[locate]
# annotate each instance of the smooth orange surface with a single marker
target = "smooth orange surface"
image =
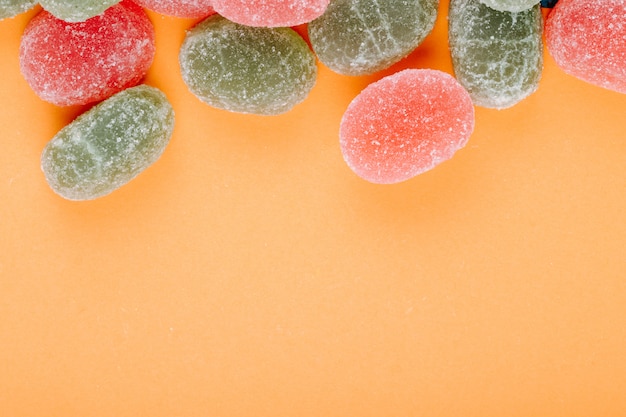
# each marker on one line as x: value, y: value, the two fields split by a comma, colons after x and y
x: 250, y: 273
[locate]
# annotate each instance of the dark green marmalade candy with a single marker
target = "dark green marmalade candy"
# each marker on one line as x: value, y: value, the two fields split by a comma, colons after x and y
x: 10, y: 8
x: 109, y: 145
x: 358, y: 37
x: 76, y: 10
x: 510, y: 5
x: 247, y: 69
x: 497, y: 56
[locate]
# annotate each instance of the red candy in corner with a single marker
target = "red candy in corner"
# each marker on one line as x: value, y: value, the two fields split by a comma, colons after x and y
x: 79, y: 63
x: 405, y: 124
x: 587, y: 39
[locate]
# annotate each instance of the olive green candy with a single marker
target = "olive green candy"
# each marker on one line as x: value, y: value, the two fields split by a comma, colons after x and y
x: 247, y: 69
x: 510, y: 5
x: 359, y: 37
x: 497, y: 56
x: 76, y: 10
x: 109, y: 145
x: 10, y: 8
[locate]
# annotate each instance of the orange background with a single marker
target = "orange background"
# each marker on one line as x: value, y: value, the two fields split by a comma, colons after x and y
x: 250, y: 273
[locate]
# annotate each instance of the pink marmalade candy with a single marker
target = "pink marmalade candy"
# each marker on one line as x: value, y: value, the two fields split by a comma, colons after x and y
x: 190, y: 9
x: 587, y: 39
x: 270, y: 13
x: 78, y: 63
x: 405, y: 124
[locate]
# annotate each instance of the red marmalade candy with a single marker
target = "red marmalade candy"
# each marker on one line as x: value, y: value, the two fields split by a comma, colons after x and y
x: 270, y: 13
x: 189, y: 9
x: 78, y: 63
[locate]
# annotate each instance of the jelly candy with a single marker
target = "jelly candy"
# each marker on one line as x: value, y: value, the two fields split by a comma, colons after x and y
x: 78, y: 63
x: 76, y: 10
x: 109, y: 145
x: 10, y: 8
x: 588, y: 40
x: 270, y: 13
x: 405, y: 124
x: 510, y: 5
x: 357, y: 37
x: 497, y: 56
x: 190, y: 9
x: 247, y: 69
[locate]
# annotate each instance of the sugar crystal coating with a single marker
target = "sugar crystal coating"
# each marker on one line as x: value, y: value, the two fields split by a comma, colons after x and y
x: 76, y: 10
x: 247, y: 69
x: 270, y: 13
x: 497, y: 56
x: 10, y: 8
x: 405, y: 124
x: 357, y: 37
x: 510, y: 5
x: 190, y: 9
x: 109, y: 145
x: 78, y: 63
x: 588, y: 40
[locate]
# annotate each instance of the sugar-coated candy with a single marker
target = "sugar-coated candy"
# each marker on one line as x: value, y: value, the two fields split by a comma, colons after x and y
x: 190, y: 9
x: 247, y: 69
x: 497, y: 56
x: 76, y: 10
x: 357, y: 37
x: 78, y: 63
x: 109, y: 145
x: 510, y: 5
x: 270, y: 13
x: 405, y: 124
x: 10, y: 8
x: 588, y: 40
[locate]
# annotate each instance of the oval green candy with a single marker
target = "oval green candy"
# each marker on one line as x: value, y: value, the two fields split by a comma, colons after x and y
x: 510, y: 5
x: 109, y: 145
x: 10, y: 8
x: 76, y: 10
x: 497, y: 56
x: 247, y: 69
x: 359, y: 37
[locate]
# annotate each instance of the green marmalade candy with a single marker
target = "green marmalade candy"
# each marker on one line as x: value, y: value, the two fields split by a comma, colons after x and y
x: 510, y: 5
x: 76, y: 10
x: 359, y: 37
x: 109, y: 145
x: 247, y: 69
x: 10, y: 8
x: 497, y: 56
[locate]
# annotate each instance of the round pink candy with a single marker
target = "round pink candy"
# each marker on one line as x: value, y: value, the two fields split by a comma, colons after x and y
x: 405, y: 124
x: 190, y: 9
x: 270, y: 13
x: 587, y: 39
x: 79, y: 63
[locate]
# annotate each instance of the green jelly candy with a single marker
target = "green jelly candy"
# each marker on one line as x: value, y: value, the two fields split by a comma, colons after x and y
x: 10, y: 8
x: 510, y: 5
x: 109, y: 145
x: 359, y: 37
x: 247, y: 69
x: 76, y: 10
x: 497, y: 56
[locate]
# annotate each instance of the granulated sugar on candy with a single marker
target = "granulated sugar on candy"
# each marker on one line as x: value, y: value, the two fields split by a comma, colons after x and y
x: 190, y: 9
x: 405, y: 124
x: 588, y: 40
x: 78, y: 63
x: 76, y: 10
x: 109, y: 145
x: 357, y: 37
x: 247, y: 69
x: 497, y: 56
x: 510, y: 5
x: 10, y: 8
x: 270, y: 13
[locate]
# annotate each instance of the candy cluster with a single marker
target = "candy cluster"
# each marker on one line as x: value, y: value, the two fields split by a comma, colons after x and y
x: 244, y: 57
